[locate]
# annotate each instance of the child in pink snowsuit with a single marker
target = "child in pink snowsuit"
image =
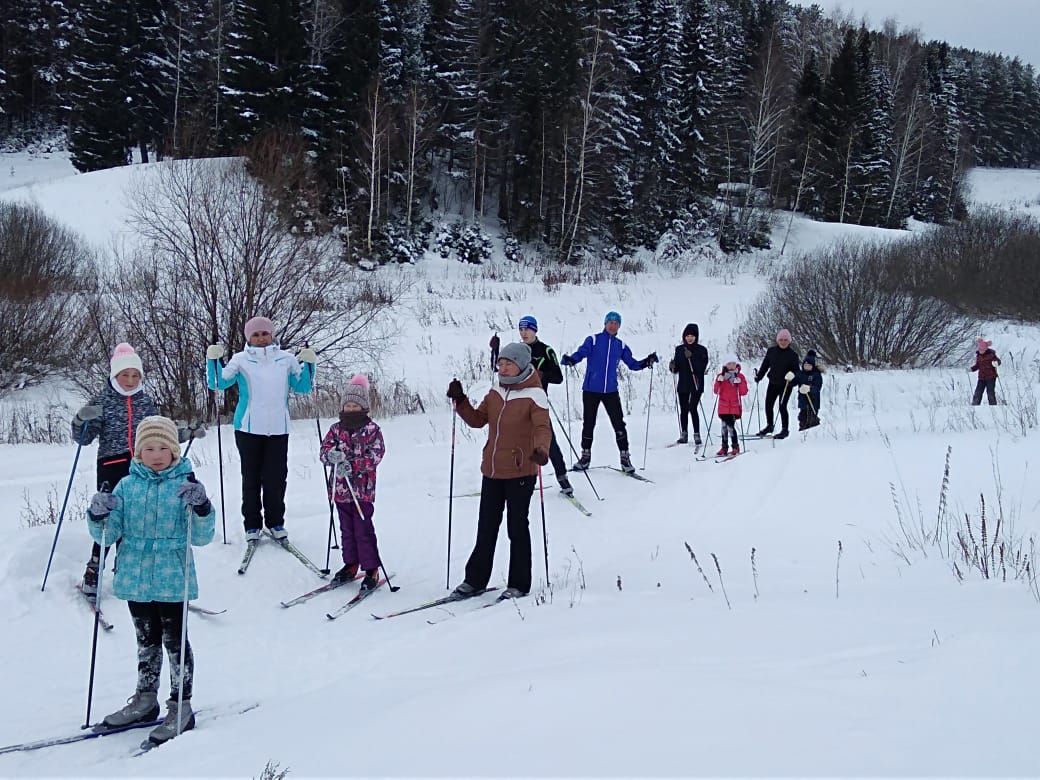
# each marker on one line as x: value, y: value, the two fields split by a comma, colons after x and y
x: 354, y: 447
x: 730, y: 386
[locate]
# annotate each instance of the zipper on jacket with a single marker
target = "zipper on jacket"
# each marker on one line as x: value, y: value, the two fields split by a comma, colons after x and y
x: 498, y: 431
x: 130, y: 425
x: 606, y: 364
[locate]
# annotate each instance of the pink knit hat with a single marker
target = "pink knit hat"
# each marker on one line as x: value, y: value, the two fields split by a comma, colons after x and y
x: 124, y: 357
x: 982, y: 345
x: 357, y: 391
x: 783, y: 333
x: 257, y: 325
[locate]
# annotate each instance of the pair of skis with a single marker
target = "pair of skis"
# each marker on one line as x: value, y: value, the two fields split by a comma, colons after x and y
x: 286, y: 545
x: 632, y: 474
x: 108, y: 626
x: 357, y: 599
x: 451, y: 598
x: 100, y: 730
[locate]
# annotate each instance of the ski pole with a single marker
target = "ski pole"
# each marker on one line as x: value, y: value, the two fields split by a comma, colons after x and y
x: 574, y: 451
x: 758, y: 409
x: 649, y: 401
x: 97, y: 611
x: 64, y: 503
x: 451, y: 490
x: 567, y: 391
x: 220, y: 464
x: 711, y: 420
x: 330, y: 543
x: 189, y: 511
x: 678, y: 414
x: 545, y: 533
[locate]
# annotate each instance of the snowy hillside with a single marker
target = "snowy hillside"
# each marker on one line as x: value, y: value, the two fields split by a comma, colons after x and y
x: 826, y: 636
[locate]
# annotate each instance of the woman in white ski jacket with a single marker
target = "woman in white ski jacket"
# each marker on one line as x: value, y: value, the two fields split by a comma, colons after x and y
x: 264, y: 374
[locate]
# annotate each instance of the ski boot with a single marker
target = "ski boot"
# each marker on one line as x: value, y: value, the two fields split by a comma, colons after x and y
x: 142, y: 706
x: 782, y: 435
x: 565, y: 485
x: 697, y: 440
x: 90, y: 577
x: 371, y: 580
x: 626, y: 462
x: 723, y: 450
x: 584, y: 461
x: 765, y: 431
x: 683, y: 439
x: 346, y: 574
x: 279, y: 532
x: 167, y: 730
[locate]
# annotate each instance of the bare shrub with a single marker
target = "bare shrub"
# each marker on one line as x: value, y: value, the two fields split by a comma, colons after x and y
x: 216, y: 249
x: 985, y: 265
x: 40, y: 266
x: 37, y: 423
x: 47, y: 511
x: 849, y: 306
x: 273, y: 771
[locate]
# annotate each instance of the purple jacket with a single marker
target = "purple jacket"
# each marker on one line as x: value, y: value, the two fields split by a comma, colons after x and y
x: 364, y: 449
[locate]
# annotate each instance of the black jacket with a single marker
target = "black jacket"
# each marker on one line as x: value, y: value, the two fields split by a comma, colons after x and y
x: 543, y: 357
x: 777, y: 363
x: 815, y: 381
x: 690, y: 369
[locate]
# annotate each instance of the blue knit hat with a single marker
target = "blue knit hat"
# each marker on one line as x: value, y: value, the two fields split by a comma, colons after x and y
x: 528, y: 322
x: 612, y: 316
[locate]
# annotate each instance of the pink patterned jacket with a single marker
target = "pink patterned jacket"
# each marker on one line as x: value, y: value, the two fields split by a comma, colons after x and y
x: 364, y: 450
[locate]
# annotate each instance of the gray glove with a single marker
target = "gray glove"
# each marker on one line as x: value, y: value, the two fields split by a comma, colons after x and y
x: 102, y: 504
x: 89, y: 412
x: 335, y: 457
x: 789, y: 376
x: 199, y: 431
x: 804, y: 389
x: 193, y: 494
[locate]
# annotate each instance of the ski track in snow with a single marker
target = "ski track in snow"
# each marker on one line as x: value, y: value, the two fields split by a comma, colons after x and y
x: 895, y: 675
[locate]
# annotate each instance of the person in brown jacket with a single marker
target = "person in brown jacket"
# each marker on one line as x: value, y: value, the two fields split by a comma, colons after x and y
x: 516, y: 411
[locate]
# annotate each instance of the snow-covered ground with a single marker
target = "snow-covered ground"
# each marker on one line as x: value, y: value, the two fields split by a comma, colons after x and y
x: 1019, y: 189
x: 800, y: 660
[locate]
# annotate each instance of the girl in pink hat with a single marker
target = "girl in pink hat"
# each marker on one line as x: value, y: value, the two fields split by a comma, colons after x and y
x: 354, y: 448
x: 986, y: 362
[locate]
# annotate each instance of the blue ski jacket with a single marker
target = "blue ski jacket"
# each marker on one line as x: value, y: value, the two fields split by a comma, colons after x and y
x: 604, y: 352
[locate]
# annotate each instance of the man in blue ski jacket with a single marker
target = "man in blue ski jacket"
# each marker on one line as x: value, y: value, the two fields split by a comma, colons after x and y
x: 604, y: 351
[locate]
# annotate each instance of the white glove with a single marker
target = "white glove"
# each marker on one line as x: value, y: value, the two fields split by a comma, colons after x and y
x: 215, y: 352
x: 789, y: 376
x: 996, y: 362
x: 804, y: 389
x: 307, y: 355
x: 735, y: 380
x: 335, y: 457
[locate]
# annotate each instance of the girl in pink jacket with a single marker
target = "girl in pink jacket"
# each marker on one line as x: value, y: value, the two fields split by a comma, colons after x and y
x: 730, y: 385
x: 354, y: 447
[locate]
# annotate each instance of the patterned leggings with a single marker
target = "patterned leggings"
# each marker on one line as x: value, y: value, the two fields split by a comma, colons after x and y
x: 158, y: 625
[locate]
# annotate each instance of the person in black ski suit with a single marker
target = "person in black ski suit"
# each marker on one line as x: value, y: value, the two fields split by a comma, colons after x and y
x: 810, y: 381
x: 544, y: 359
x: 780, y: 364
x: 690, y: 364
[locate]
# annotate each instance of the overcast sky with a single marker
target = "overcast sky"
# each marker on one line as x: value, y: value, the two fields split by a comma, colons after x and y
x: 1010, y: 27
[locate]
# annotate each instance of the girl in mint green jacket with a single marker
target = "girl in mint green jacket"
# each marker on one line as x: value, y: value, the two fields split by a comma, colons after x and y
x: 148, y: 513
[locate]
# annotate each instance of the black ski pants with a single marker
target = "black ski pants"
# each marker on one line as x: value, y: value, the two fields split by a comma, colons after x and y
x: 110, y: 471
x: 513, y: 496
x: 729, y: 429
x: 688, y: 403
x: 265, y: 468
x: 989, y: 386
x: 590, y: 406
x: 158, y: 625
x: 556, y: 457
x: 782, y: 392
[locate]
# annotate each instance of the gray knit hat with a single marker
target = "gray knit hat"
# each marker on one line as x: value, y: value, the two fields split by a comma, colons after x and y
x: 518, y: 353
x: 357, y: 391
